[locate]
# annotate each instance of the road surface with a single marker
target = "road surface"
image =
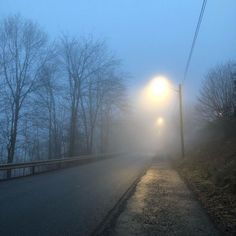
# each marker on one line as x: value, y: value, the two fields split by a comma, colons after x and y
x: 71, y: 201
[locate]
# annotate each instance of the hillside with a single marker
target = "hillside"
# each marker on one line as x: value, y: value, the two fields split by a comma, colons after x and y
x: 210, y: 170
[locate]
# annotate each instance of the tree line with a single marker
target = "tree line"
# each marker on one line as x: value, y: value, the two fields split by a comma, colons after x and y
x: 56, y: 98
x: 217, y: 96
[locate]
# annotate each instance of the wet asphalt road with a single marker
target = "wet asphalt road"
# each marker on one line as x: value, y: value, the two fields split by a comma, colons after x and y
x: 71, y: 201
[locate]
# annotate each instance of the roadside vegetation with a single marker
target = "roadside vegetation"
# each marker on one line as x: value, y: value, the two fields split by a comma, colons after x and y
x: 58, y: 98
x: 209, y: 166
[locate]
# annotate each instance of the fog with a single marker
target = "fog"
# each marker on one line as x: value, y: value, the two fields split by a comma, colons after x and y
x: 152, y: 124
x: 97, y: 83
x: 132, y: 102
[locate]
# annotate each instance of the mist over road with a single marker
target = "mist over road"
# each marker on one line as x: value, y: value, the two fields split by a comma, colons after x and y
x: 71, y: 201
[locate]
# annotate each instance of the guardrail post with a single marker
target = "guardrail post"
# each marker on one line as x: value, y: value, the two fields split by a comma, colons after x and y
x: 33, y: 170
x: 9, y: 174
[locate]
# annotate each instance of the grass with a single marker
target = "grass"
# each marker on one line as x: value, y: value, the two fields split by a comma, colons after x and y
x: 210, y: 170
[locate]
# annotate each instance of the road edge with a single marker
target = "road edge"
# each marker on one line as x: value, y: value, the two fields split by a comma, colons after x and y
x: 106, y: 226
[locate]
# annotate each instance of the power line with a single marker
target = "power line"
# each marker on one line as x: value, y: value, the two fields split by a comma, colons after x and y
x: 194, y: 39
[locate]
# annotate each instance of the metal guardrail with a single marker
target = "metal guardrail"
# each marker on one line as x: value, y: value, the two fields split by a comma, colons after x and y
x: 58, y: 163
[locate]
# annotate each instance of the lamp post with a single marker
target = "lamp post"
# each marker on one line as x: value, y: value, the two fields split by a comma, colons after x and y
x: 157, y: 89
x: 181, y: 121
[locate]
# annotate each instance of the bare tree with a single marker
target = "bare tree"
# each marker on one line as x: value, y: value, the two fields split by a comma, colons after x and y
x: 217, y: 95
x: 115, y: 103
x: 84, y: 61
x: 22, y: 45
x: 54, y: 104
x: 100, y: 86
x: 46, y: 103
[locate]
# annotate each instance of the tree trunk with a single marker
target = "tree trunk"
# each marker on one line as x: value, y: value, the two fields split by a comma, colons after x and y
x: 73, y: 131
x: 12, y: 142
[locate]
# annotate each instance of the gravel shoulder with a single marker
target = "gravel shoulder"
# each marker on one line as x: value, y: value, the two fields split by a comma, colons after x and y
x: 163, y: 205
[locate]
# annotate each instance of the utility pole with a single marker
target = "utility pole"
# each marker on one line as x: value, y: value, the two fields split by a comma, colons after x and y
x: 234, y: 84
x: 181, y: 121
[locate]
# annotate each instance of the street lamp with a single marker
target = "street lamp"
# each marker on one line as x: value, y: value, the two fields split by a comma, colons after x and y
x: 158, y: 90
x: 159, y: 122
x: 181, y: 121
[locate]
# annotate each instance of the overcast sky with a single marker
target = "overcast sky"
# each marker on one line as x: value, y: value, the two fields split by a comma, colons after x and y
x: 151, y: 36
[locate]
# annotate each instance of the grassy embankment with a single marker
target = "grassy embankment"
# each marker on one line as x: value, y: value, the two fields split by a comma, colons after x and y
x: 210, y: 170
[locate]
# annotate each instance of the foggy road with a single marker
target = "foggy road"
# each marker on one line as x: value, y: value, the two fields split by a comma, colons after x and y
x: 71, y: 201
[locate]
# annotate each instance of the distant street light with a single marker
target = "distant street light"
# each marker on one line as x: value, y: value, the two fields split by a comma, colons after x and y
x: 159, y: 122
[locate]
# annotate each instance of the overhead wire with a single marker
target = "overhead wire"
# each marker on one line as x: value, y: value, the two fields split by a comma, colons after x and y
x: 194, y: 39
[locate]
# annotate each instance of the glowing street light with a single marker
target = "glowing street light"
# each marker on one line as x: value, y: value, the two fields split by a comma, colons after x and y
x: 158, y: 87
x: 156, y: 94
x: 158, y: 90
x: 159, y: 122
